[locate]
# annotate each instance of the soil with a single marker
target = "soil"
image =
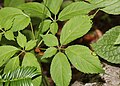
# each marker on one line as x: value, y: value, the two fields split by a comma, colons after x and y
x: 110, y: 78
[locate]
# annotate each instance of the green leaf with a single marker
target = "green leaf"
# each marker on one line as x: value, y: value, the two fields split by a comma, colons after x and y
x: 30, y: 44
x: 20, y: 77
x: 117, y: 42
x: 49, y: 52
x: 54, y: 28
x: 81, y: 57
x: 60, y: 70
x: 9, y: 35
x: 13, y: 3
x: 7, y: 15
x: 105, y: 47
x: 35, y: 9
x: 108, y: 6
x: 37, y: 80
x: 75, y: 9
x: 31, y: 60
x: 53, y: 5
x: 50, y: 40
x: 20, y: 22
x: 12, y: 64
x: 113, y: 8
x: 21, y: 40
x: 75, y: 28
x: 45, y: 25
x: 6, y: 52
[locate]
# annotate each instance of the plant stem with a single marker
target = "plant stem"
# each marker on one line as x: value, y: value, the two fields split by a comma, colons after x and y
x: 32, y: 30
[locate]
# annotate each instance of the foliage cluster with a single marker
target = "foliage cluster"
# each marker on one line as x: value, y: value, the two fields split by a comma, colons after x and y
x: 27, y: 28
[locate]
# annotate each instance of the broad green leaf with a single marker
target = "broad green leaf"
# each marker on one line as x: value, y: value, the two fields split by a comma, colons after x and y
x: 53, y: 5
x: 21, y: 40
x: 13, y: 3
x: 9, y: 35
x: 76, y: 27
x: 30, y: 45
x: 35, y: 9
x: 20, y: 22
x: 117, y: 42
x: 49, y: 52
x: 108, y: 6
x: 45, y: 25
x: 75, y: 9
x: 30, y: 60
x: 113, y: 8
x: 60, y: 70
x: 12, y: 64
x: 7, y: 15
x: 50, y: 40
x: 37, y: 81
x: 6, y: 52
x: 82, y: 59
x: 105, y: 47
x: 54, y: 28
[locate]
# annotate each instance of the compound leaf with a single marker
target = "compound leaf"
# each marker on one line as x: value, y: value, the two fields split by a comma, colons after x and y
x: 53, y: 5
x: 105, y: 47
x: 75, y: 9
x: 50, y: 40
x: 82, y: 59
x: 60, y: 70
x: 6, y: 52
x: 76, y: 27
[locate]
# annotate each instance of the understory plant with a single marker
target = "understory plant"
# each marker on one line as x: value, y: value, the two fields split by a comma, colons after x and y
x: 30, y: 35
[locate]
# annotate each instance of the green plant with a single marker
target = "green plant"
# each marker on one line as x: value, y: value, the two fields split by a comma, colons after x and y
x: 26, y: 27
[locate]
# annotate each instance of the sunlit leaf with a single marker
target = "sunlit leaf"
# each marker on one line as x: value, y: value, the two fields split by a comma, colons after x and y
x: 75, y: 9
x: 53, y: 5
x: 35, y: 9
x: 12, y: 64
x: 21, y: 40
x: 30, y: 45
x: 9, y: 35
x: 76, y: 27
x: 54, y: 28
x: 50, y: 40
x: 81, y: 57
x: 6, y: 52
x: 60, y: 70
x: 49, y: 52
